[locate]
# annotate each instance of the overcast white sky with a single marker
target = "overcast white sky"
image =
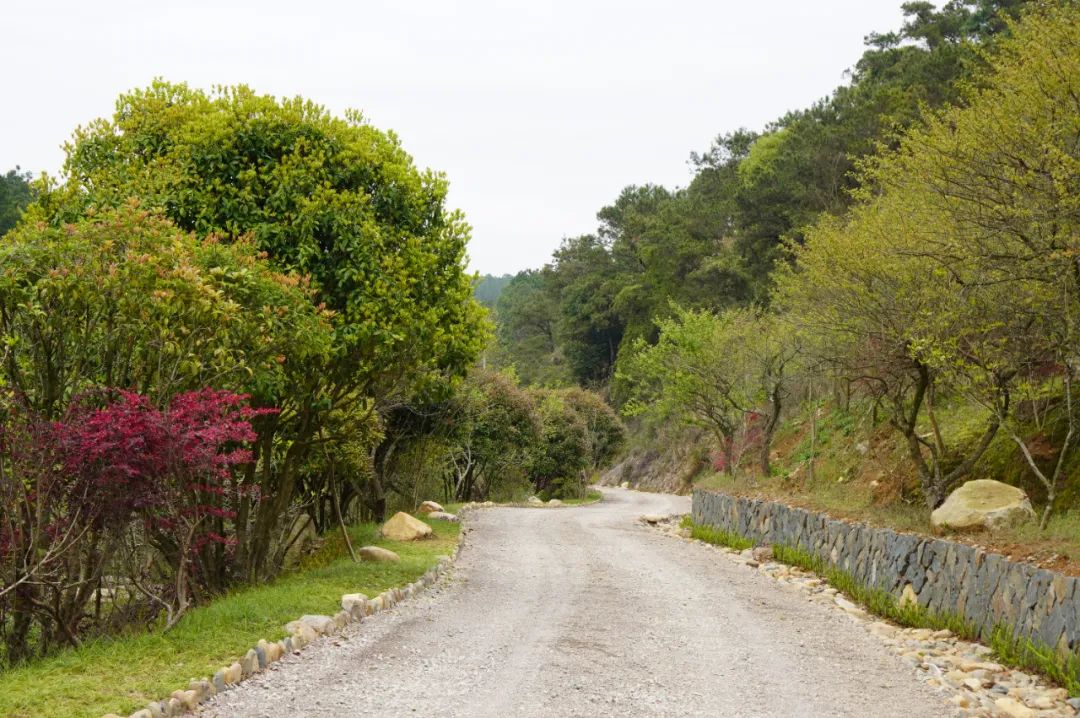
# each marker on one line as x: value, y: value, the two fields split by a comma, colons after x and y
x: 538, y: 112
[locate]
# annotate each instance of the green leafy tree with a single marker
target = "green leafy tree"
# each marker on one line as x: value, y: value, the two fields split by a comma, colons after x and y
x: 579, y: 433
x: 604, y: 431
x: 15, y: 195
x: 726, y: 372
x: 124, y: 299
x: 589, y: 328
x: 861, y: 294
x: 561, y: 456
x: 686, y: 375
x: 333, y: 199
x: 527, y: 318
x: 986, y: 197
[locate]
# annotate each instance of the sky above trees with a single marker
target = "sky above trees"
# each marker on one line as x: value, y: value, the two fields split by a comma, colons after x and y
x: 537, y: 112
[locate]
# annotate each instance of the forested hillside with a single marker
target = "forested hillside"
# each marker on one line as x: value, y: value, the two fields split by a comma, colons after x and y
x: 15, y: 195
x: 713, y: 244
x: 878, y: 291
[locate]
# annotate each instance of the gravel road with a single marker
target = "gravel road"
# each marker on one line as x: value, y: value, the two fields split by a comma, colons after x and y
x: 585, y: 612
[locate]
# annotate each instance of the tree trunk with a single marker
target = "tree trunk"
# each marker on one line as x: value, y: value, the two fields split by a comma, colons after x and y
x: 729, y: 457
x: 768, y: 431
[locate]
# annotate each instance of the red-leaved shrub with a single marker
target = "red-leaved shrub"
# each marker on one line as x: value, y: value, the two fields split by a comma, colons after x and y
x: 116, y: 479
x: 169, y: 466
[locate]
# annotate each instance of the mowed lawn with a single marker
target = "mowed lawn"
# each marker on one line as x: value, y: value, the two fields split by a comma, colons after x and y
x: 121, y: 675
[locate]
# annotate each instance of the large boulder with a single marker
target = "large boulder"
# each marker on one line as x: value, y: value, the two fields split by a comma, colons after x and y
x: 431, y: 507
x: 980, y: 504
x: 403, y: 527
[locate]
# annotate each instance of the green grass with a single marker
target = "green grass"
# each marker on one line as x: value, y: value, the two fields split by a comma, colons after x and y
x: 1022, y: 653
x: 876, y: 600
x: 590, y: 498
x: 720, y: 537
x: 123, y: 674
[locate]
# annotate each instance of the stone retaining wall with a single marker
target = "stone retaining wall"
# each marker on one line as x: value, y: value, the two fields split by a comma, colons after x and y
x: 986, y: 589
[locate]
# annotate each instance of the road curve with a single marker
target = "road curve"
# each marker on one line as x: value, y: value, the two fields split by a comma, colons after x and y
x: 585, y: 612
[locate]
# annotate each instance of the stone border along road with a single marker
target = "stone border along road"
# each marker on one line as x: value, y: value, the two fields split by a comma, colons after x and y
x: 584, y: 611
x: 962, y: 670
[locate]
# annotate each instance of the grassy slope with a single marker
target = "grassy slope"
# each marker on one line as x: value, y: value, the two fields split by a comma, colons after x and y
x: 123, y: 674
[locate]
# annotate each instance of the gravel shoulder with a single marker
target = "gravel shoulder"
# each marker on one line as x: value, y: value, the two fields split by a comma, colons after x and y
x: 586, y: 612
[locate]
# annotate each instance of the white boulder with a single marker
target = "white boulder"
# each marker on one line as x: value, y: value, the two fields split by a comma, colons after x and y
x: 403, y: 527
x: 982, y: 503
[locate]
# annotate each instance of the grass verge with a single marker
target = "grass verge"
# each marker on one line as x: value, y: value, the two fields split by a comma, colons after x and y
x: 1022, y: 653
x: 590, y: 498
x: 720, y: 537
x: 877, y: 601
x: 124, y: 673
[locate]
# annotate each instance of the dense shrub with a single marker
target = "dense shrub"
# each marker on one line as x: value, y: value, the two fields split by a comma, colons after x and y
x: 579, y: 433
x: 117, y: 496
x: 494, y: 423
x: 124, y: 299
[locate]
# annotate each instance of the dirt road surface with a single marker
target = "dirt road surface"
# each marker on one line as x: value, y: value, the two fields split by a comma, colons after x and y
x: 584, y: 611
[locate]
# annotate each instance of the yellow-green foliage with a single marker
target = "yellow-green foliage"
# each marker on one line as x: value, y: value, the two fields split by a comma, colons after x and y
x: 954, y: 273
x: 125, y: 299
x: 332, y: 198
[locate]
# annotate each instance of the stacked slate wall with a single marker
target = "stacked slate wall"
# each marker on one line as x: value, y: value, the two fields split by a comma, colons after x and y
x: 986, y: 589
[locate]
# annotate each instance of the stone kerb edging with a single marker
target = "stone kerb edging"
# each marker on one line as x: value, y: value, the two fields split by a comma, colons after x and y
x: 985, y: 589
x: 355, y: 607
